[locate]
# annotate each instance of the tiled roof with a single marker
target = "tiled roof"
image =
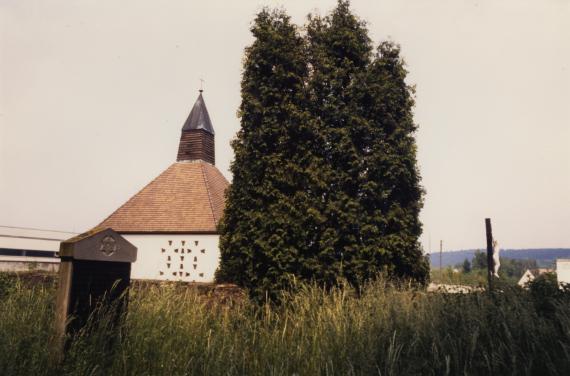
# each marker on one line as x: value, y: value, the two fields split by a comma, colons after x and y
x: 187, y: 197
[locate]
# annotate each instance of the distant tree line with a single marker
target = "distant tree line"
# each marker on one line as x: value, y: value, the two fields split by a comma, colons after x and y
x: 510, y: 268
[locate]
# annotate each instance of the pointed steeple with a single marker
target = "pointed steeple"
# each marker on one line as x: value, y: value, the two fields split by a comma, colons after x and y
x: 197, y: 139
x: 199, y: 117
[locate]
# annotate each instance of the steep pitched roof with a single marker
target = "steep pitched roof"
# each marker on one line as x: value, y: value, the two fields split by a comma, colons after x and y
x: 188, y: 197
x: 199, y: 117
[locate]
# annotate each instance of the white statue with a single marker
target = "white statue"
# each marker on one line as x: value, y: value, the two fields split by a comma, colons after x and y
x: 496, y: 260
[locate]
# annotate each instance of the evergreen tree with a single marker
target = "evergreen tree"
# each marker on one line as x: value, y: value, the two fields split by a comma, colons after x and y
x: 390, y: 194
x: 364, y: 113
x: 325, y: 184
x: 479, y: 260
x: 339, y: 51
x: 268, y: 222
x: 466, y: 266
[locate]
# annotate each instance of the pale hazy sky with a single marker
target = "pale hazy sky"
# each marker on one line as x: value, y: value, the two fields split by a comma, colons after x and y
x: 93, y: 95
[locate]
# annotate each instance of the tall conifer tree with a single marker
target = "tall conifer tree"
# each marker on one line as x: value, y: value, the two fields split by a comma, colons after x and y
x: 325, y: 183
x: 339, y: 52
x: 268, y: 222
x: 391, y: 195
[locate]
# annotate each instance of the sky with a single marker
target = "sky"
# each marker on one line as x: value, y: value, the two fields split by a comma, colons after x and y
x: 93, y: 95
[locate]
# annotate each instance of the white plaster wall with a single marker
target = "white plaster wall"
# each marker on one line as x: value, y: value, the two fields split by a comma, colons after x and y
x: 177, y: 257
x: 563, y: 270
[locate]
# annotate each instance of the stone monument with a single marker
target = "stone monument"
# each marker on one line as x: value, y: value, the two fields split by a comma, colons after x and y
x: 95, y: 271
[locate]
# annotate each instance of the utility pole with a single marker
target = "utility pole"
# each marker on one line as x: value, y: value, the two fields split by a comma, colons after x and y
x: 441, y: 256
x: 490, y: 261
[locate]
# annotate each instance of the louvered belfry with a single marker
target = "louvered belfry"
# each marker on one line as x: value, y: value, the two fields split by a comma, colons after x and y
x: 197, y: 139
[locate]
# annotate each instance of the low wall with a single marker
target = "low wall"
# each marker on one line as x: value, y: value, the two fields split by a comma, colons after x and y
x: 25, y: 264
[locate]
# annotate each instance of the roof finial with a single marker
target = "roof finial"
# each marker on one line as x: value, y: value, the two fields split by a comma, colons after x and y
x: 201, y: 85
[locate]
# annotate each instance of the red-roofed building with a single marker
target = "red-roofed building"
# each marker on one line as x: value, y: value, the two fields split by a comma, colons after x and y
x: 173, y: 220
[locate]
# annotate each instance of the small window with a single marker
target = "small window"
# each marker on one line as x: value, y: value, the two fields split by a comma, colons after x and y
x: 183, y: 242
x: 196, y: 242
x: 203, y: 250
x: 170, y: 242
x: 182, y: 251
x: 176, y: 250
x: 201, y: 274
x: 161, y: 273
x: 195, y: 265
x: 168, y: 258
x: 181, y: 258
x: 187, y: 274
x: 174, y: 274
x: 181, y: 266
x: 163, y: 250
x: 195, y: 259
x: 168, y: 265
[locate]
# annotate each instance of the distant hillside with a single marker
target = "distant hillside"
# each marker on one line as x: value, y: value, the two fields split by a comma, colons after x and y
x: 545, y: 257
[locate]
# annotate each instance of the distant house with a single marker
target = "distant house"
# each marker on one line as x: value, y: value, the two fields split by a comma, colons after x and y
x: 563, y: 270
x: 526, y: 278
x: 529, y: 276
x: 24, y: 249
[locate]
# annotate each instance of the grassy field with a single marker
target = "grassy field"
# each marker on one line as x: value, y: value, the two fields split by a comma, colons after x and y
x: 177, y: 330
x: 477, y: 278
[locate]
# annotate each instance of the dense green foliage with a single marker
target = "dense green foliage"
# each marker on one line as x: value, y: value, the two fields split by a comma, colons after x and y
x: 479, y: 260
x: 388, y: 330
x: 392, y: 196
x: 268, y: 220
x: 325, y: 184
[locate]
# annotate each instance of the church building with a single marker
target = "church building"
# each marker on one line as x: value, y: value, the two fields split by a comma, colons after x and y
x: 173, y: 220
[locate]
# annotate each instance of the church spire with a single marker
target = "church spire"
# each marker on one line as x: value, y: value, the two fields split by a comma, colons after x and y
x: 197, y: 139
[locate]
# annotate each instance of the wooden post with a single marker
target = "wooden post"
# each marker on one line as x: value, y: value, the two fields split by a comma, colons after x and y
x: 441, y: 257
x: 490, y: 262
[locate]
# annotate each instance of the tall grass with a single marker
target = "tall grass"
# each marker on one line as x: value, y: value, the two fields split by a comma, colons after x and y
x: 386, y: 330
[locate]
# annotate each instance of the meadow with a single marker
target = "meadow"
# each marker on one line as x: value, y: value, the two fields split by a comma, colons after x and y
x: 385, y: 329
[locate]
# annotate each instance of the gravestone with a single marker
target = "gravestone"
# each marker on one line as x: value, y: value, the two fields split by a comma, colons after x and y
x: 95, y: 271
